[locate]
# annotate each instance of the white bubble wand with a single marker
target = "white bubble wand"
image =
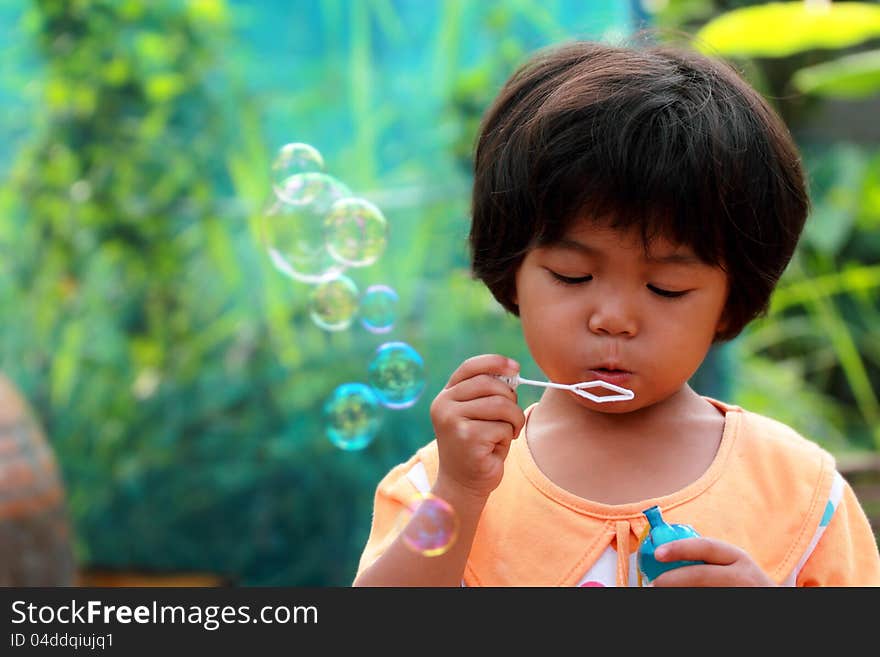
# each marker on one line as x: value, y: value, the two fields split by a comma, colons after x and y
x: 578, y: 388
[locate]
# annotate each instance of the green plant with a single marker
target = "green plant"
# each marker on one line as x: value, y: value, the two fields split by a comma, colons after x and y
x: 812, y: 361
x: 132, y: 320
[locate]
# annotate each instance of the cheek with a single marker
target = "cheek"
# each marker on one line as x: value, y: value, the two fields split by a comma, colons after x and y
x: 538, y: 319
x: 548, y: 308
x: 687, y: 333
x: 534, y: 323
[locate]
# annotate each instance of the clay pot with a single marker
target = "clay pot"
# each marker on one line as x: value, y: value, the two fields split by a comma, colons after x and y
x: 35, y: 542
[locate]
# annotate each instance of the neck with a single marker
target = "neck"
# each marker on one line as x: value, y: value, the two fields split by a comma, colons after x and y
x: 617, y: 458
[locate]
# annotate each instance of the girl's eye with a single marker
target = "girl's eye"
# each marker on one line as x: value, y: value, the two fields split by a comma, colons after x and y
x: 670, y: 294
x: 569, y: 280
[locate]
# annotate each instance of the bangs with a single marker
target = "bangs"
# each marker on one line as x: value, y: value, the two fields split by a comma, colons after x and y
x: 654, y: 167
x: 657, y: 142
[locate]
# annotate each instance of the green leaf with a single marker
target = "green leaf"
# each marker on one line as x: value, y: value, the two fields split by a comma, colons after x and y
x: 65, y: 362
x: 780, y: 29
x: 835, y: 183
x: 869, y: 212
x: 853, y: 76
x: 164, y: 87
x: 212, y: 12
x: 778, y: 389
x: 863, y: 278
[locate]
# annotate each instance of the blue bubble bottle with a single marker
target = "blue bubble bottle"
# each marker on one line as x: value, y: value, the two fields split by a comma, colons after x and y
x: 661, y: 532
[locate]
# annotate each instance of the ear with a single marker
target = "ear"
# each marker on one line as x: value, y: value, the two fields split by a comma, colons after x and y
x: 723, y: 323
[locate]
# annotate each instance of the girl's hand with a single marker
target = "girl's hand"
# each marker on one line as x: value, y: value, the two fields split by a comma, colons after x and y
x: 726, y: 564
x: 475, y: 418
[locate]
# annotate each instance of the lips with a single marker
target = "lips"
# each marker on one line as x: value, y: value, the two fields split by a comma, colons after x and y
x: 613, y: 375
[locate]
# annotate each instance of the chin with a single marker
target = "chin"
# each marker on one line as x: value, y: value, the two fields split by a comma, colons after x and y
x: 614, y: 408
x: 611, y: 408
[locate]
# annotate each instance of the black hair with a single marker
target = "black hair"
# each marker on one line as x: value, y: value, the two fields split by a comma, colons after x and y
x: 660, y: 139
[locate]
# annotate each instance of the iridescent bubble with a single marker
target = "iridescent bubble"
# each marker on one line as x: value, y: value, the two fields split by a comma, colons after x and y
x: 292, y: 228
x: 356, y: 232
x: 378, y: 308
x: 654, y: 6
x: 614, y: 35
x: 433, y: 526
x: 397, y: 374
x: 295, y: 158
x: 353, y: 416
x: 334, y: 303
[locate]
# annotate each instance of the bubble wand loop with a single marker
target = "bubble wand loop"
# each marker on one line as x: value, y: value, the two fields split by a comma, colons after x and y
x: 577, y: 388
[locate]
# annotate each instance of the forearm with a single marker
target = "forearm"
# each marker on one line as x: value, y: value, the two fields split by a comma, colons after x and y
x: 400, y: 565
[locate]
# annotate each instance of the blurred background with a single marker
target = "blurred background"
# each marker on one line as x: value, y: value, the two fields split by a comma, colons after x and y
x: 167, y: 390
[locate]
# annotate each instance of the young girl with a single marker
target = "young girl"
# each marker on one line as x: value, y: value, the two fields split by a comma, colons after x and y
x: 633, y: 207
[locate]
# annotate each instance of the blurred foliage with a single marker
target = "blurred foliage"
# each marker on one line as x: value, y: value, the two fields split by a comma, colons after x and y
x: 132, y: 322
x: 850, y: 76
x: 813, y: 361
x: 780, y: 29
x: 178, y: 374
x: 777, y: 29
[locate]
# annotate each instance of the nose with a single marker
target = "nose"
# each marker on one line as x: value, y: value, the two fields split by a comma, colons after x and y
x: 612, y: 316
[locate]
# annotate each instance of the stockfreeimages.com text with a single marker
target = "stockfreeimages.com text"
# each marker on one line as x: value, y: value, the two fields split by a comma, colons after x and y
x: 211, y: 617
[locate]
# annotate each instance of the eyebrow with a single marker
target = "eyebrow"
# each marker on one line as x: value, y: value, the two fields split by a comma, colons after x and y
x: 669, y: 258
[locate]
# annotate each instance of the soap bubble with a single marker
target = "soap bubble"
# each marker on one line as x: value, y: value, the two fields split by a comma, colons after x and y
x: 654, y: 6
x: 293, y: 227
x: 356, y: 232
x: 292, y: 159
x: 378, y: 308
x: 353, y: 416
x: 397, y: 374
x: 334, y: 303
x: 432, y: 527
x: 614, y: 35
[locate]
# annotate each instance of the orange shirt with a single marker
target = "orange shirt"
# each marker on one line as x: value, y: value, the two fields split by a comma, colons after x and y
x: 768, y: 490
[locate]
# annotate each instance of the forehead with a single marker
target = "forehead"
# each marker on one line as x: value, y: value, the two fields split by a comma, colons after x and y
x: 592, y: 237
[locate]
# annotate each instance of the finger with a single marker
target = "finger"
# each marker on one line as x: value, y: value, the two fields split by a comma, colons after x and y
x: 710, y: 550
x: 501, y: 449
x: 483, y: 364
x: 493, y: 409
x: 696, y: 575
x: 479, y: 386
x: 484, y: 436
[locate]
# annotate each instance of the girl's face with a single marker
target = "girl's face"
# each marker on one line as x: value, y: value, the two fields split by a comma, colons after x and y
x: 596, y: 305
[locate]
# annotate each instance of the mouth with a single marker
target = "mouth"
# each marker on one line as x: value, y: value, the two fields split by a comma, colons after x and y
x: 613, y: 375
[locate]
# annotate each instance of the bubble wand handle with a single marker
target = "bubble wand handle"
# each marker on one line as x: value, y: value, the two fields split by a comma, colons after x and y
x: 624, y: 394
x: 514, y: 381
